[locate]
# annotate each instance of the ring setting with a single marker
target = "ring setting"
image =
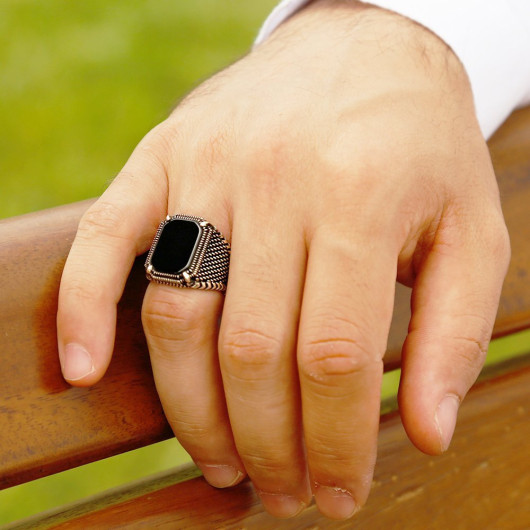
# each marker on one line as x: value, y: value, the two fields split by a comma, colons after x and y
x: 188, y: 252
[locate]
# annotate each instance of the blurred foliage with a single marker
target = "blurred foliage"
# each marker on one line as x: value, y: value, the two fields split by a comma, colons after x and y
x: 60, y: 489
x: 82, y: 82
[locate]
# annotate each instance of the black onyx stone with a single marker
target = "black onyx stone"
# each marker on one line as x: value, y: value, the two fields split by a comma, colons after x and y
x: 174, y: 249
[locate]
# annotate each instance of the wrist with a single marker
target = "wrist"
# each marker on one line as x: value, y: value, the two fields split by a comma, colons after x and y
x: 325, y: 30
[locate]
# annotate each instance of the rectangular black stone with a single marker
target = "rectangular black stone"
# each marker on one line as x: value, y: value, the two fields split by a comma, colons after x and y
x: 175, y: 247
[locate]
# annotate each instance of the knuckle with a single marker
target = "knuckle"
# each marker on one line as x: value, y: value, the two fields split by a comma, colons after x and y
x: 268, y: 465
x: 190, y: 432
x: 470, y: 351
x: 324, y: 360
x: 271, y: 147
x: 247, y: 349
x: 159, y: 144
x: 166, y: 316
x: 202, y: 441
x: 102, y: 219
x: 334, y: 453
x: 498, y: 241
x: 80, y: 287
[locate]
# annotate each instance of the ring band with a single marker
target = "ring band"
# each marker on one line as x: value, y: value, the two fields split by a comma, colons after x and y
x: 189, y: 252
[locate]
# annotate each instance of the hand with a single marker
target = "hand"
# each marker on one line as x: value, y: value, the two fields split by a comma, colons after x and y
x: 338, y: 156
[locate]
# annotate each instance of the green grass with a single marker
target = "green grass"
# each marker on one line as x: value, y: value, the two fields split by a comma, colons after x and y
x: 57, y: 490
x: 80, y: 84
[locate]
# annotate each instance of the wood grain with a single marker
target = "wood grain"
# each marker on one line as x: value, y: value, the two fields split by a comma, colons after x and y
x: 482, y: 482
x: 47, y: 426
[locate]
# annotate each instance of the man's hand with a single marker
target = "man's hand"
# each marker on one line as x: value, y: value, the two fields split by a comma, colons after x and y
x: 338, y: 156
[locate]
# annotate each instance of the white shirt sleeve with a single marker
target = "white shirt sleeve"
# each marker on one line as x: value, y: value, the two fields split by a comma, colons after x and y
x: 491, y: 38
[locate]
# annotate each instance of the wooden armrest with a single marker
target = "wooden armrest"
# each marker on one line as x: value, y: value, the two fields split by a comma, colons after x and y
x: 483, y: 480
x: 47, y: 426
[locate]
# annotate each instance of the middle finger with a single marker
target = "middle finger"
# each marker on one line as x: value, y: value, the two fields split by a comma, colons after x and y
x: 258, y: 361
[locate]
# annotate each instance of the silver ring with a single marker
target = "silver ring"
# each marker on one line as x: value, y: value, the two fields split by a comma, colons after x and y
x: 189, y: 252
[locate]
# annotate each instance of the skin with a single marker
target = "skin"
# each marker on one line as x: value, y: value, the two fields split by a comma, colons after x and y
x: 341, y: 154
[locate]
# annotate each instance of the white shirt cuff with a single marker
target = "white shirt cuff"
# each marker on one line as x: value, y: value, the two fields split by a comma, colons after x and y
x: 490, y: 37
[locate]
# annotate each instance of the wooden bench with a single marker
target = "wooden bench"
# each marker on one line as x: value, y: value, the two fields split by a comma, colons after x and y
x: 483, y: 481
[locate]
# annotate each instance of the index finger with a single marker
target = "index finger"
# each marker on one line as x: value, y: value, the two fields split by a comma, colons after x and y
x: 118, y: 227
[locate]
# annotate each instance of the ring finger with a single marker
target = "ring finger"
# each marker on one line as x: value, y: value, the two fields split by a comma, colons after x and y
x: 348, y: 299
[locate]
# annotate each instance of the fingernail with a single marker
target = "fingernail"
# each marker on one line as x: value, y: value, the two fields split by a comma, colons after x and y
x: 336, y: 503
x: 445, y: 419
x: 220, y: 476
x: 280, y: 505
x: 77, y: 362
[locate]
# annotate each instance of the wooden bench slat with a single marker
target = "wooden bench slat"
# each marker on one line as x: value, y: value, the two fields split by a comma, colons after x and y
x: 46, y: 425
x: 482, y: 482
x: 122, y: 412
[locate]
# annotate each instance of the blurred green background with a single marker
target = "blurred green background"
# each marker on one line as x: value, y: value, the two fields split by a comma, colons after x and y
x: 80, y: 84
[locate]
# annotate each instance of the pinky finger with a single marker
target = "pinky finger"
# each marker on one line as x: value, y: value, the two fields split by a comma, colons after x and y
x: 454, y: 303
